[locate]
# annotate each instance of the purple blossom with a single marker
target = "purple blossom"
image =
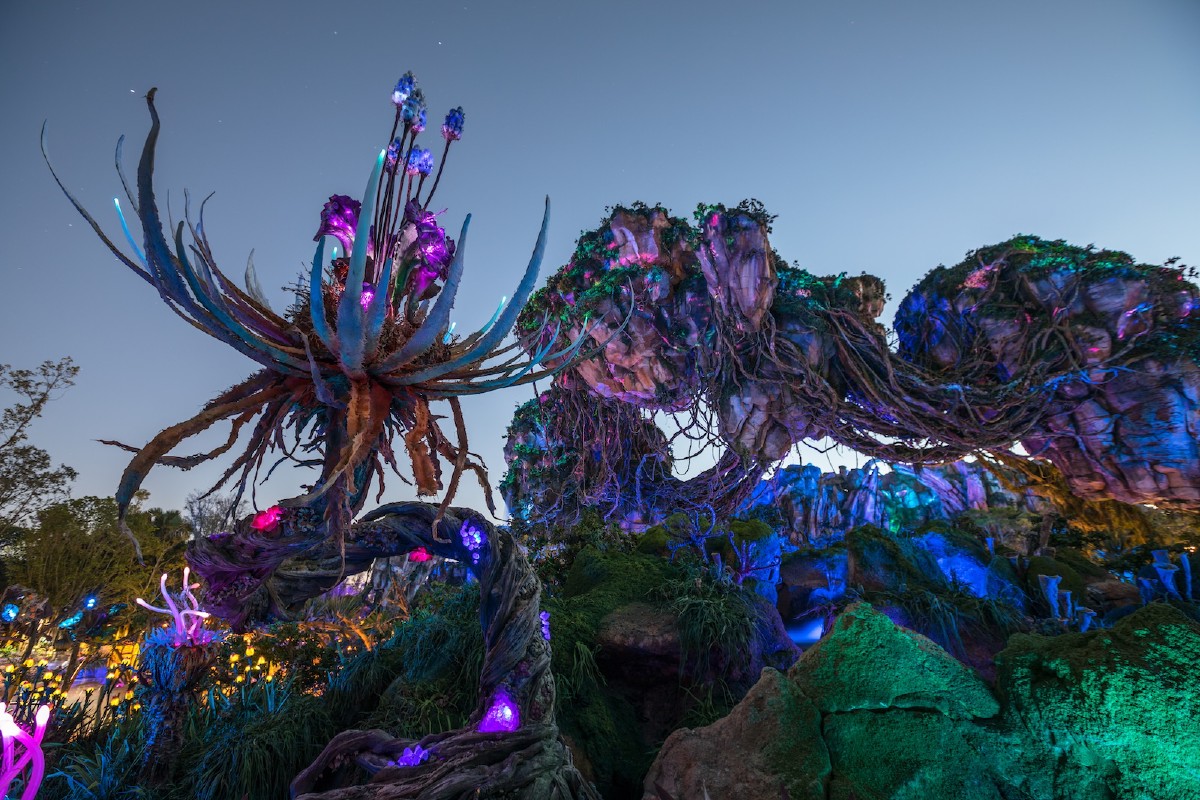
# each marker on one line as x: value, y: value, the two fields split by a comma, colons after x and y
x: 545, y: 615
x: 404, y: 88
x: 339, y: 219
x: 368, y: 294
x: 473, y: 539
x: 427, y: 245
x: 420, y: 161
x: 502, y: 716
x: 419, y: 123
x: 452, y: 128
x: 412, y: 756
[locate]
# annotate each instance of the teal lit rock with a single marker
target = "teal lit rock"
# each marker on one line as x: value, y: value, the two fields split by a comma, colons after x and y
x: 868, y: 662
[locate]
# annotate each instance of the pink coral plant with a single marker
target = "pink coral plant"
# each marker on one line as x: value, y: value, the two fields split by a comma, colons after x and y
x: 183, y: 632
x: 32, y: 757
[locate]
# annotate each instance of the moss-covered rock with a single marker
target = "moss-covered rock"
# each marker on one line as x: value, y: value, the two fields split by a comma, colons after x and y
x: 1117, y: 708
x: 868, y: 662
x: 770, y: 742
x: 906, y: 755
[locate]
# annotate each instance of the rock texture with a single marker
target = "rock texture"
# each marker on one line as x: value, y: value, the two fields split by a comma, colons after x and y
x: 770, y: 742
x: 1119, y: 342
x: 1104, y: 715
x: 866, y: 662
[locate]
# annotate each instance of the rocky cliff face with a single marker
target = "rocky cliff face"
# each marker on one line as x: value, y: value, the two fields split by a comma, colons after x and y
x: 1118, y: 341
x: 874, y: 711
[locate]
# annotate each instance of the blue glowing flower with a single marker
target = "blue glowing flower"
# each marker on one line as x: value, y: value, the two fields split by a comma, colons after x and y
x: 10, y: 612
x: 420, y: 161
x: 90, y: 602
x: 404, y: 88
x: 419, y: 123
x: 393, y: 156
x: 71, y: 621
x: 452, y: 128
x: 413, y: 106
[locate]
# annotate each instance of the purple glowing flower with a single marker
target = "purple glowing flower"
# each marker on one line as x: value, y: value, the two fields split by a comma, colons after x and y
x: 404, y: 88
x: 427, y: 245
x: 545, y: 615
x: 182, y: 631
x: 368, y: 294
x: 502, y: 716
x: 412, y: 756
x: 473, y: 539
x: 452, y: 128
x: 420, y: 161
x: 339, y: 219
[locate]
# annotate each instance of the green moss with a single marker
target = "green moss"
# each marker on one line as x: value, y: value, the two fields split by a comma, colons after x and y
x: 601, y: 724
x: 1123, y: 702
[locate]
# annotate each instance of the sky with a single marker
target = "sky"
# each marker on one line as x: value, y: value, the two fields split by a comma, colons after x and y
x: 888, y: 138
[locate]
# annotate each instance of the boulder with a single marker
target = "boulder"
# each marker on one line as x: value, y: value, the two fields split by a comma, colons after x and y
x: 868, y: 662
x: 1116, y: 710
x: 907, y: 755
x: 770, y: 741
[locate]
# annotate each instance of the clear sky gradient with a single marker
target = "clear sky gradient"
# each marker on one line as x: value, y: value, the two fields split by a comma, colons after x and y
x: 888, y: 137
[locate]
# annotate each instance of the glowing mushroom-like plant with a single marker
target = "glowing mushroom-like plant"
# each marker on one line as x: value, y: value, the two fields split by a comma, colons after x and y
x: 174, y: 659
x: 31, y: 757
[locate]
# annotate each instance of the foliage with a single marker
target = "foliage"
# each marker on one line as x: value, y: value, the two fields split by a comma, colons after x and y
x: 28, y: 481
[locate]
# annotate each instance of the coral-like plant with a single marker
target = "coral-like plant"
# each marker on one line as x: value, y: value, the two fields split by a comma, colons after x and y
x: 31, y: 757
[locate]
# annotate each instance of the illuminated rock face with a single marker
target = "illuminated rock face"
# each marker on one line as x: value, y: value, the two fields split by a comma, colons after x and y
x: 1126, y: 424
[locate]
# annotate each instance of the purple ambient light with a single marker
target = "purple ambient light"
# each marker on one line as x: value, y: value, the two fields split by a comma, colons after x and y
x: 503, y: 715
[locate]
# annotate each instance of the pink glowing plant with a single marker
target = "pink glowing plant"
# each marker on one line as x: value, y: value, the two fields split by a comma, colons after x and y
x: 264, y: 521
x: 32, y: 757
x: 182, y: 632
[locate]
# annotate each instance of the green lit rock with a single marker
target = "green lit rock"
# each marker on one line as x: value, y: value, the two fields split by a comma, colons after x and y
x: 868, y: 662
x: 1111, y: 713
x: 907, y: 755
x: 771, y: 741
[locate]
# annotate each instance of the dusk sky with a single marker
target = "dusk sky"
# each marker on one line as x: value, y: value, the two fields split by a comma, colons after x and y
x: 888, y: 137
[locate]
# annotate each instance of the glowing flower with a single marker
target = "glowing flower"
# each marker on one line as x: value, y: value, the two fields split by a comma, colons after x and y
x: 452, y: 128
x: 420, y: 161
x: 404, y: 88
x: 10, y: 612
x: 412, y: 756
x: 368, y: 294
x: 414, y: 104
x: 267, y: 520
x: 545, y: 615
x: 419, y: 555
x: 339, y: 218
x: 393, y: 156
x: 419, y: 123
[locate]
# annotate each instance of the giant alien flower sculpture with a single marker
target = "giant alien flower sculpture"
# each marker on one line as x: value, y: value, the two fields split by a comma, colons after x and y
x: 362, y: 353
